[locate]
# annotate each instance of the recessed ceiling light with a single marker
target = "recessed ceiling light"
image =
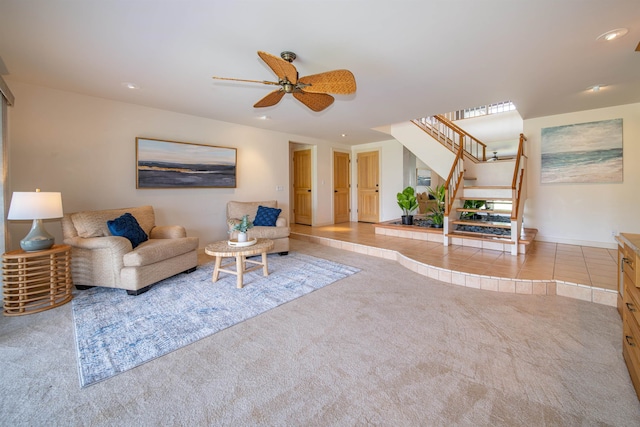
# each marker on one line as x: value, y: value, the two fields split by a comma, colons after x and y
x: 613, y: 34
x: 264, y: 117
x: 595, y: 88
x: 130, y: 85
x: 344, y: 135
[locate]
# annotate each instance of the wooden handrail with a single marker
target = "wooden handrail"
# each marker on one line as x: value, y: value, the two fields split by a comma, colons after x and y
x: 459, y: 130
x: 517, y: 205
x: 516, y: 184
x: 518, y: 156
x: 451, y: 197
x: 472, y: 147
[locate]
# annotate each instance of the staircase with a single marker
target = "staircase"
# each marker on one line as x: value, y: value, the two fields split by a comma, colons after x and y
x: 484, y: 199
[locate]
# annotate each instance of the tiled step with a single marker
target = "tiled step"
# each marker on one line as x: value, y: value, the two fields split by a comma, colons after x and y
x: 481, y: 236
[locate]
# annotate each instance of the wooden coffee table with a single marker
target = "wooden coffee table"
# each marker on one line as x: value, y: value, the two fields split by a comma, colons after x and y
x: 222, y: 249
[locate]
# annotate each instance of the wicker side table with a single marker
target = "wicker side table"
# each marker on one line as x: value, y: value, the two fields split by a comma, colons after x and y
x: 36, y: 281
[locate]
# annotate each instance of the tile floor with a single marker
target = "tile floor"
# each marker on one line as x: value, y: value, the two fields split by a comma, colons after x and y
x: 583, y: 265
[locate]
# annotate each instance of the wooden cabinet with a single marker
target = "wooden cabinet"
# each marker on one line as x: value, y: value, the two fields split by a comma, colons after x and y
x: 629, y: 276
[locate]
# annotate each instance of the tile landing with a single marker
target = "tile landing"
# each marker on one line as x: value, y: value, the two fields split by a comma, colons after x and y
x: 580, y: 272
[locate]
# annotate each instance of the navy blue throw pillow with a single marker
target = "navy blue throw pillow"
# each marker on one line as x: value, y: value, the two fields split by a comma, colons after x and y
x: 266, y: 216
x: 127, y: 226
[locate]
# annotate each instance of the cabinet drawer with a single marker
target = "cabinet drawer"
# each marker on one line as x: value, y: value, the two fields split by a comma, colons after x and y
x: 631, y: 302
x: 629, y: 265
x: 630, y: 340
x: 631, y: 354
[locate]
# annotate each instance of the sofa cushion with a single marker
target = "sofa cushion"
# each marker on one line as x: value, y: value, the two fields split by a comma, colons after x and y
x: 94, y: 223
x: 268, y: 232
x: 156, y: 250
x: 127, y: 226
x: 239, y: 209
x: 266, y: 216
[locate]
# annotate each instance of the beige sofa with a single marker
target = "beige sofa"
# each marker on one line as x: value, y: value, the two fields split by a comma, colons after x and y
x: 100, y: 259
x: 279, y: 234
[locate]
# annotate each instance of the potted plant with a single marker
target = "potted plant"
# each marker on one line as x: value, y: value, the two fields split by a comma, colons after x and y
x: 242, y: 227
x: 408, y: 203
x: 437, y: 212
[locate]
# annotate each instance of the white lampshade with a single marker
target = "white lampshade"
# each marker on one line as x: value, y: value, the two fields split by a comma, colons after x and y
x: 35, y: 205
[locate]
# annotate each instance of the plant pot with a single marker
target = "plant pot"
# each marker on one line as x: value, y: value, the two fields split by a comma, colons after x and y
x: 407, y: 219
x: 242, y: 237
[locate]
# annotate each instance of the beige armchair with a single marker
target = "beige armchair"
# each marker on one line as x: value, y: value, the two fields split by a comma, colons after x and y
x: 425, y: 204
x: 279, y: 233
x: 99, y: 258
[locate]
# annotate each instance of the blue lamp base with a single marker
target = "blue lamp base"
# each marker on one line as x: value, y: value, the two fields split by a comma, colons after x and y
x: 38, y: 239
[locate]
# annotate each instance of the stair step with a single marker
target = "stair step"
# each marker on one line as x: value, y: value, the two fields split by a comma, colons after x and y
x: 480, y: 236
x: 487, y: 187
x: 489, y: 199
x: 474, y: 223
x: 487, y: 211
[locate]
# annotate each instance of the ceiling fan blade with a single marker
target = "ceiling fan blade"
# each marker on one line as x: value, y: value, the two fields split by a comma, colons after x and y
x: 315, y: 101
x: 271, y: 99
x: 340, y: 82
x: 264, y: 82
x: 282, y: 68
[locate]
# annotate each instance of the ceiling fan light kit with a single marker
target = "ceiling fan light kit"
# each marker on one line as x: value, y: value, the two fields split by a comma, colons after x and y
x: 313, y: 91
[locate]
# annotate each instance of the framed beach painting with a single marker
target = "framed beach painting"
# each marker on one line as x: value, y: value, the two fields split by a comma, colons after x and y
x: 582, y: 153
x: 423, y: 177
x: 171, y: 164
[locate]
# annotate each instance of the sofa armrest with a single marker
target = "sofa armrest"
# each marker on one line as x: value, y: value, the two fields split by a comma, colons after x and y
x: 168, y: 232
x: 98, y: 260
x: 115, y: 243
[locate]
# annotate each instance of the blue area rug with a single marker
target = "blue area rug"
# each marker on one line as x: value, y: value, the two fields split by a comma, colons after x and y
x: 116, y: 332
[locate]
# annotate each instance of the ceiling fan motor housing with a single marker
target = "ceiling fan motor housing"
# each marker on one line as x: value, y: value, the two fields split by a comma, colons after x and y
x: 288, y: 56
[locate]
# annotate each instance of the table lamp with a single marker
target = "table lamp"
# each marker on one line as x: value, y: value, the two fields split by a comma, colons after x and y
x: 36, y: 206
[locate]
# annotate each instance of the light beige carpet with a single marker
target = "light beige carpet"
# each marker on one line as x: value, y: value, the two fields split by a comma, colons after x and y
x: 383, y: 347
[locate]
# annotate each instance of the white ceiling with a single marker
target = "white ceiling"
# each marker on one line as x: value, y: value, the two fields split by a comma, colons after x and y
x: 410, y: 58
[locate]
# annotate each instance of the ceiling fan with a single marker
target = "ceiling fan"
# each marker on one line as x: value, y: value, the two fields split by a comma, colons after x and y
x: 313, y: 91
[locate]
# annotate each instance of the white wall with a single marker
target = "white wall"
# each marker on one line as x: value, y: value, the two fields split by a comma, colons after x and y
x: 430, y: 151
x: 391, y: 177
x: 84, y: 147
x: 585, y: 213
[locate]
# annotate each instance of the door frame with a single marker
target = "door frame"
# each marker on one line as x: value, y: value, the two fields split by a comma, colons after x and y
x: 298, y: 146
x: 350, y: 174
x: 354, y: 182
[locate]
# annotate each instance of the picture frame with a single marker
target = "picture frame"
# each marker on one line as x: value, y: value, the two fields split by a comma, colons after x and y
x: 589, y: 152
x: 423, y: 177
x: 172, y: 164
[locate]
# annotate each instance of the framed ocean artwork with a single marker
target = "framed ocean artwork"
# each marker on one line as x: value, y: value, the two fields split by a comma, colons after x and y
x: 171, y: 164
x: 582, y: 153
x: 423, y: 177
